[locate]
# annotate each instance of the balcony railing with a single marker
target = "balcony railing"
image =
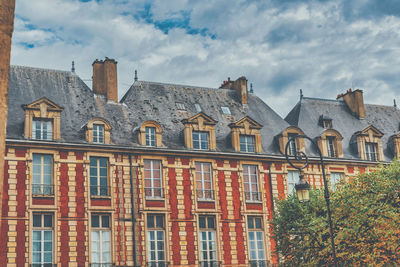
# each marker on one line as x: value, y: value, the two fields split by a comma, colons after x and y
x: 102, y: 265
x: 210, y: 264
x: 157, y: 264
x: 259, y: 263
x: 205, y: 194
x: 100, y: 190
x: 253, y: 196
x: 151, y: 192
x: 43, y: 189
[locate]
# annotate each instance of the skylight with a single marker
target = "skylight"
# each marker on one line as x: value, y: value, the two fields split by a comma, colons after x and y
x: 180, y: 106
x: 226, y: 110
x: 197, y: 106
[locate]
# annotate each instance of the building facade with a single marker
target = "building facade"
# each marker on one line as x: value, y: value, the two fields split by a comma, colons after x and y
x: 169, y: 175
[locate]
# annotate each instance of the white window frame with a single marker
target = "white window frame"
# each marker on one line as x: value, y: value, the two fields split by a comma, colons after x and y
x: 210, y: 241
x: 201, y: 141
x: 334, y: 178
x: 42, y: 230
x: 99, y: 191
x: 98, y: 133
x: 151, y: 136
x: 330, y: 144
x: 251, y: 195
x: 101, y: 231
x: 371, y: 151
x: 246, y: 144
x: 293, y: 178
x: 155, y: 230
x: 292, y: 144
x: 152, y: 189
x: 254, y: 245
x: 202, y: 193
x: 45, y: 170
x: 42, y: 124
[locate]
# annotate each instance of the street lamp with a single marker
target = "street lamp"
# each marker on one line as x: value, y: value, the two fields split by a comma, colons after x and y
x: 303, y: 188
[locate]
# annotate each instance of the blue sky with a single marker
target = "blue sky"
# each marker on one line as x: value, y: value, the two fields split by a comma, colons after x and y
x: 323, y: 47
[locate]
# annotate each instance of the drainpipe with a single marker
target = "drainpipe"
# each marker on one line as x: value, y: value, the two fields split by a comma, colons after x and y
x: 133, y: 211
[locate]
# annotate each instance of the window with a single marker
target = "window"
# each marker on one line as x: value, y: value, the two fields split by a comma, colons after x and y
x: 335, y: 177
x: 200, y: 140
x: 42, y: 240
x: 327, y: 124
x: 251, y: 183
x: 98, y: 177
x: 226, y: 110
x: 370, y: 151
x: 293, y: 179
x: 155, y: 240
x: 152, y: 178
x: 101, y: 240
x: 330, y: 143
x: 98, y: 133
x: 42, y: 175
x: 204, y: 181
x: 256, y: 241
x: 247, y: 143
x: 292, y: 144
x: 150, y: 136
x: 180, y: 106
x: 42, y: 129
x: 197, y: 107
x: 208, y: 247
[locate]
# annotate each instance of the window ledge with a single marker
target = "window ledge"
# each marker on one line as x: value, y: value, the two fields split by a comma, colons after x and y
x: 254, y: 201
x: 100, y: 197
x: 205, y: 200
x: 42, y: 196
x: 155, y: 198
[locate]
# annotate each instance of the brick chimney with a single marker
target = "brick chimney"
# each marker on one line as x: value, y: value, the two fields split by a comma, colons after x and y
x: 355, y: 102
x: 240, y: 86
x: 105, y: 78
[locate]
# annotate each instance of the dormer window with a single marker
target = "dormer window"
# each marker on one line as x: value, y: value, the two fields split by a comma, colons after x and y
x: 370, y: 151
x: 150, y: 136
x: 330, y: 143
x: 294, y: 145
x: 325, y: 122
x: 226, y: 110
x: 200, y: 140
x: 247, y: 143
x: 180, y: 106
x: 42, y: 129
x: 98, y: 133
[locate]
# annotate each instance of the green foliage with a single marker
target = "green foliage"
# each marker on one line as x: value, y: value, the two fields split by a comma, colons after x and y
x: 366, y: 219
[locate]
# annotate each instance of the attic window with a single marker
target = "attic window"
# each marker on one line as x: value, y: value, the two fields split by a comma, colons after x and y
x: 226, y: 110
x: 198, y: 108
x: 325, y: 122
x: 180, y: 106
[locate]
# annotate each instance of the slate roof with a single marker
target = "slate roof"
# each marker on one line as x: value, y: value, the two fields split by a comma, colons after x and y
x: 306, y: 113
x: 143, y: 101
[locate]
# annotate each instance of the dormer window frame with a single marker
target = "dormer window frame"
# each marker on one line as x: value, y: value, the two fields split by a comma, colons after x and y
x: 201, y: 140
x: 286, y: 134
x: 146, y: 135
x: 325, y: 122
x: 246, y: 128
x: 40, y: 113
x: 201, y: 123
x: 371, y: 151
x: 92, y: 133
x: 364, y: 139
x: 330, y: 143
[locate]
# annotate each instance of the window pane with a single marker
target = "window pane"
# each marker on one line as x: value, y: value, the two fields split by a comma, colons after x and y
x: 160, y: 221
x: 258, y: 223
x: 48, y: 220
x: 37, y: 220
x: 95, y: 221
x: 150, y: 221
x: 210, y: 222
x: 202, y: 222
x: 250, y: 222
x: 105, y: 221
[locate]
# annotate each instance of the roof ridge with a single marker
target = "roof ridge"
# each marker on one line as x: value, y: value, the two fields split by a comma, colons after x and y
x: 323, y: 99
x: 44, y: 69
x: 180, y: 85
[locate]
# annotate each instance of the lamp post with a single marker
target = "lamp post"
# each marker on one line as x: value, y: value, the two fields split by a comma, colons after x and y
x: 302, y: 188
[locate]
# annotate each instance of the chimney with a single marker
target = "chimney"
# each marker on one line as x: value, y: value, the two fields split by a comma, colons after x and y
x: 105, y: 78
x: 240, y: 86
x: 355, y: 101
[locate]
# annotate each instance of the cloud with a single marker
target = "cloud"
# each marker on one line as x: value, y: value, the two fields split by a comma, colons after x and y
x: 323, y: 47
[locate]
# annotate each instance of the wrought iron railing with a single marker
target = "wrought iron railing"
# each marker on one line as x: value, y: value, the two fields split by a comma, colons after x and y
x: 259, y: 263
x: 205, y: 194
x: 100, y: 190
x: 157, y: 264
x: 43, y: 189
x: 253, y: 196
x: 210, y: 264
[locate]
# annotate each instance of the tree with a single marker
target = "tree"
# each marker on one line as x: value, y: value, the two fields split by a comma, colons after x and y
x: 366, y: 219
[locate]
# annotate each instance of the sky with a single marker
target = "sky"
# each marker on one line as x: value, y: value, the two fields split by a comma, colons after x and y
x: 323, y: 47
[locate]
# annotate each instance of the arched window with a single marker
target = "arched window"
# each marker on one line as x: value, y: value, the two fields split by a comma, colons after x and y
x: 98, y: 130
x: 330, y: 144
x: 150, y: 134
x: 294, y: 146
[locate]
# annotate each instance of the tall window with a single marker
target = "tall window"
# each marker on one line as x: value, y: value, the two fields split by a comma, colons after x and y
x: 42, y: 173
x: 293, y: 179
x: 152, y: 178
x: 155, y: 240
x: 204, y: 181
x: 150, y: 136
x: 98, y: 177
x: 208, y: 247
x: 42, y: 240
x: 370, y: 150
x: 335, y: 177
x: 256, y: 242
x: 247, y: 143
x: 292, y: 144
x: 101, y: 240
x: 330, y: 142
x: 42, y: 129
x: 250, y: 178
x: 200, y: 140
x: 98, y: 133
